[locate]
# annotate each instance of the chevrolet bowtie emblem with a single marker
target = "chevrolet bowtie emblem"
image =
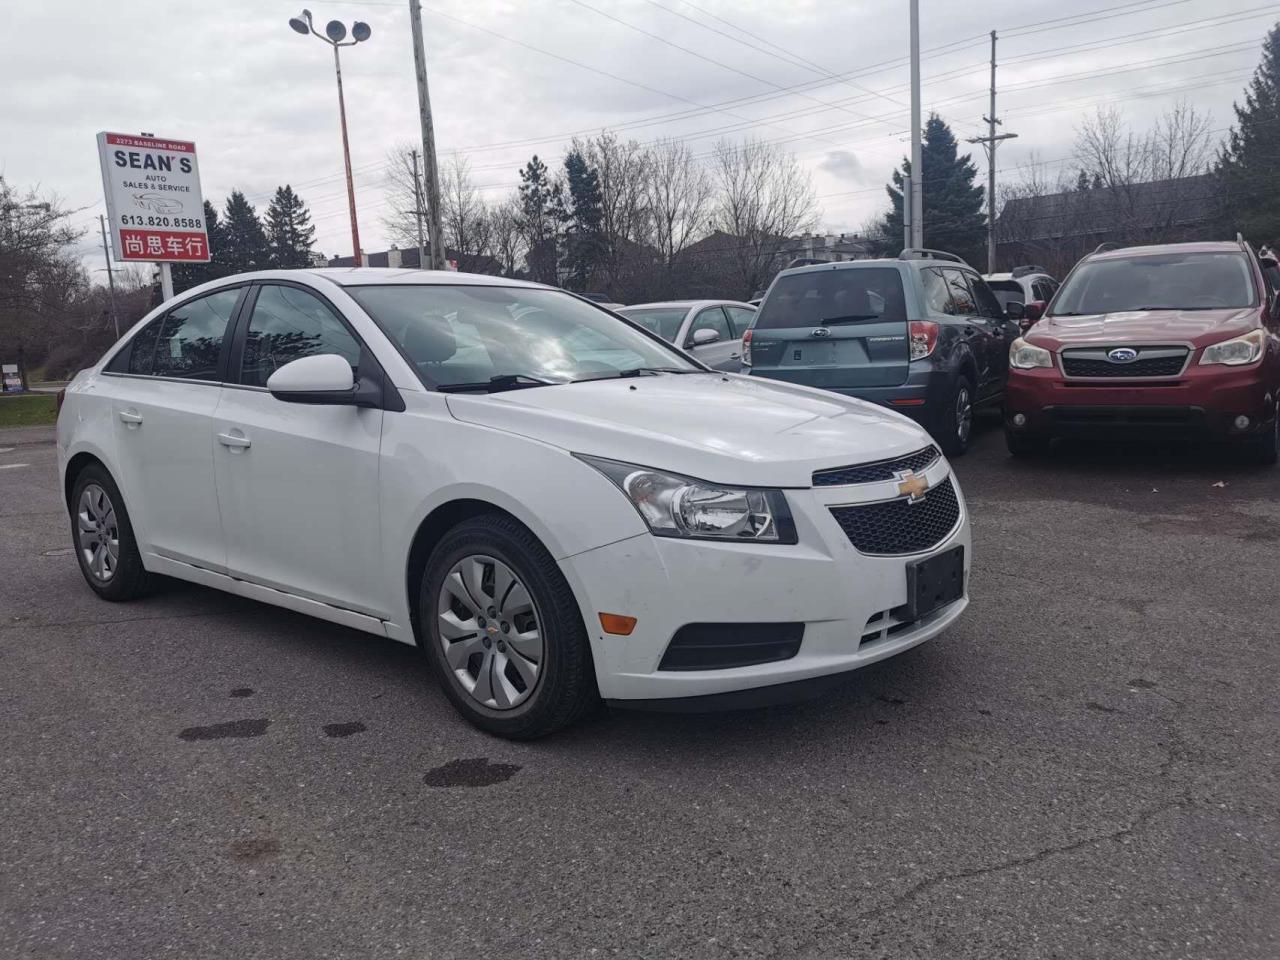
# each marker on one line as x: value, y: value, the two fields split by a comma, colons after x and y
x: 912, y: 485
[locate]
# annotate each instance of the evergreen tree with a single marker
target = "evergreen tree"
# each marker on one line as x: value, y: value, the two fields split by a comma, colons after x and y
x: 583, y: 219
x: 954, y: 220
x: 243, y: 239
x: 1250, y: 161
x: 290, y: 234
x: 541, y: 212
x: 188, y: 275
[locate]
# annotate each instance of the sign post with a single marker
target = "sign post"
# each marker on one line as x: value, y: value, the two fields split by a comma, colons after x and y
x: 155, y: 210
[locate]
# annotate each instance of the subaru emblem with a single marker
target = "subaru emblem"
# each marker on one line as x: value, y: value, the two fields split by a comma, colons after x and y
x: 820, y: 332
x: 1122, y: 355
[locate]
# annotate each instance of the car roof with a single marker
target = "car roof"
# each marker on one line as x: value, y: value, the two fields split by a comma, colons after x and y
x: 379, y: 276
x: 1197, y: 246
x: 684, y: 304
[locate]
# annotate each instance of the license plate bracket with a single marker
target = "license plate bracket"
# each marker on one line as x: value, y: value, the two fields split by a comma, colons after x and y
x: 934, y: 582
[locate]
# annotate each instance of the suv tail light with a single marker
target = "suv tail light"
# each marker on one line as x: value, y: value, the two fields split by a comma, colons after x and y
x: 746, y: 348
x: 924, y: 337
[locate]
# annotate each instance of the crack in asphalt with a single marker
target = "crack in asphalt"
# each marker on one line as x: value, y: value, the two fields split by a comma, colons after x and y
x: 924, y: 886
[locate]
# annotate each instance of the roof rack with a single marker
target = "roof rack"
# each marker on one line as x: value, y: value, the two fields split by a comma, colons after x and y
x: 1027, y: 268
x: 922, y: 253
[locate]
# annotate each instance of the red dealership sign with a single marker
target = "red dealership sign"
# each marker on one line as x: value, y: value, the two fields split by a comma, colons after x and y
x: 153, y: 196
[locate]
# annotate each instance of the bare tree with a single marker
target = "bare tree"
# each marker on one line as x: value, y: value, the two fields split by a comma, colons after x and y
x: 464, y: 216
x: 401, y: 218
x: 678, y: 193
x: 765, y: 196
x: 506, y: 236
x: 621, y: 166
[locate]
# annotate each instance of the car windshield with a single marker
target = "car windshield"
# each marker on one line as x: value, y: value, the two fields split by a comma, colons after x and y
x: 1163, y: 281
x: 471, y: 334
x: 1007, y: 291
x: 664, y: 321
x: 817, y: 297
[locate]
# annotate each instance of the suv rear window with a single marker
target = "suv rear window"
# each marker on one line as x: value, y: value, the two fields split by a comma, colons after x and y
x: 1007, y: 291
x: 848, y: 295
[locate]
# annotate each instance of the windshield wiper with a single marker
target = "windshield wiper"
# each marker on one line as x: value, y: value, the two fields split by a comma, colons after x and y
x: 851, y: 318
x: 505, y: 381
x: 636, y: 372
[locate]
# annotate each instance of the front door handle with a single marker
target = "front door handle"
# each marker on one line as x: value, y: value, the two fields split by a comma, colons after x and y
x: 236, y: 441
x: 131, y: 417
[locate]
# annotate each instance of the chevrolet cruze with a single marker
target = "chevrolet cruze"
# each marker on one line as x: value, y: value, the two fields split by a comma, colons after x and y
x: 550, y: 501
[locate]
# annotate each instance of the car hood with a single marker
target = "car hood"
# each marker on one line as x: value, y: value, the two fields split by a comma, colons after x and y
x: 721, y: 428
x: 1198, y: 327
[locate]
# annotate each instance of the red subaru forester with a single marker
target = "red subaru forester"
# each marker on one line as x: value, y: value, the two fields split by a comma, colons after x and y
x: 1180, y: 338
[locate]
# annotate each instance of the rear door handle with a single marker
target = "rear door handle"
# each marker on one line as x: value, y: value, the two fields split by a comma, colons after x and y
x: 234, y: 441
x: 131, y: 417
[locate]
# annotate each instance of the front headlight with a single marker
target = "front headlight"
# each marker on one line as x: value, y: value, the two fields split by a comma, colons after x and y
x: 676, y: 506
x: 1237, y: 352
x: 1027, y: 356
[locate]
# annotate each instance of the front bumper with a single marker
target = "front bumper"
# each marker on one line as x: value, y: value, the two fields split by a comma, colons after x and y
x: 842, y: 597
x: 1202, y: 402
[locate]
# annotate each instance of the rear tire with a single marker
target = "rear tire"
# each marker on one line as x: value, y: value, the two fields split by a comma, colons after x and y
x: 102, y: 537
x: 955, y: 420
x: 502, y: 630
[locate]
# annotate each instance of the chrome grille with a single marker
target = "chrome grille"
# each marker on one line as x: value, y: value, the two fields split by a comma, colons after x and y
x: 894, y: 527
x: 875, y: 471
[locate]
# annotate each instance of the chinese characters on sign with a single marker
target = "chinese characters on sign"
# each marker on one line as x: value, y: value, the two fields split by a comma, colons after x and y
x: 153, y: 197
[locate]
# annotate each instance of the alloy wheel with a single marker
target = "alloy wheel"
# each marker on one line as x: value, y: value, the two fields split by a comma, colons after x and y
x: 964, y: 414
x: 490, y: 632
x: 99, y: 533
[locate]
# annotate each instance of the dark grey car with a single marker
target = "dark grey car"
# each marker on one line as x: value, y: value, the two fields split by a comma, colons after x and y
x: 922, y: 334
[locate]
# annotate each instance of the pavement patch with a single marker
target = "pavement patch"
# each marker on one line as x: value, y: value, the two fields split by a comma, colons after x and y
x: 232, y: 729
x: 343, y: 729
x: 253, y: 849
x: 242, y: 692
x: 475, y: 772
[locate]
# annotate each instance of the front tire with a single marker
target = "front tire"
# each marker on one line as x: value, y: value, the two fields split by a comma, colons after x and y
x: 502, y: 630
x: 1024, y: 445
x: 1264, y: 450
x: 103, y: 537
x: 955, y: 425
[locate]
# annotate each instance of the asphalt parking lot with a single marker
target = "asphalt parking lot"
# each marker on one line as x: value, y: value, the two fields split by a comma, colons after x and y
x: 1085, y: 766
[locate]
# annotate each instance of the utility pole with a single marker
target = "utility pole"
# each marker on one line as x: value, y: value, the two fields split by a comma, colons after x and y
x: 431, y: 172
x: 917, y: 198
x: 417, y: 211
x: 111, y: 275
x: 989, y: 145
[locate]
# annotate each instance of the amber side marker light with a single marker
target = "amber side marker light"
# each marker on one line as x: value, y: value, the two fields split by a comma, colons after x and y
x: 913, y: 402
x: 617, y: 623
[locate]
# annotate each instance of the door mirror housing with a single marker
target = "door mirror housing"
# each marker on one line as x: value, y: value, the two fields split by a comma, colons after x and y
x: 704, y: 336
x: 1031, y: 313
x: 1015, y: 310
x: 322, y: 379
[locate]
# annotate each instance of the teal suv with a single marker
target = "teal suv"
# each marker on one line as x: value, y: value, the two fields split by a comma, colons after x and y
x: 922, y: 334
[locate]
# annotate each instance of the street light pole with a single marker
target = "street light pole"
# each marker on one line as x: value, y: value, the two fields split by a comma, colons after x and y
x: 335, y: 33
x: 917, y: 198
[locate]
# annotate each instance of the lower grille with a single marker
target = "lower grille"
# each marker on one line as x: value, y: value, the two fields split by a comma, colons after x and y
x: 898, y: 526
x: 718, y: 646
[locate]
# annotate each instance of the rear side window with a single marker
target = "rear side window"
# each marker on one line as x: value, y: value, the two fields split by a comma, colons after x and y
x: 664, y: 321
x: 849, y: 295
x: 740, y: 319
x: 190, y: 337
x: 287, y: 324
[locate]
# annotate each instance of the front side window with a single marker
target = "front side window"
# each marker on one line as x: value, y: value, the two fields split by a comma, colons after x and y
x: 189, y: 339
x: 740, y: 319
x: 988, y: 305
x: 142, y: 352
x: 664, y: 321
x: 471, y: 334
x: 1160, y: 281
x: 712, y: 318
x: 818, y: 297
x: 287, y: 324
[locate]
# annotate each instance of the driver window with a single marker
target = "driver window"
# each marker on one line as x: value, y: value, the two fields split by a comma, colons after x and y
x: 288, y: 324
x: 988, y: 305
x: 712, y: 318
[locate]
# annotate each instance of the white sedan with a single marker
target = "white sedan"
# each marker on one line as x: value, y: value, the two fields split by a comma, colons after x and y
x: 711, y: 330
x: 554, y: 505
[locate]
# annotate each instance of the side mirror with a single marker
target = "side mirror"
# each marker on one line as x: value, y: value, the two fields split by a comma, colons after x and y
x: 1031, y: 313
x: 1015, y: 310
x: 322, y: 379
x: 704, y: 336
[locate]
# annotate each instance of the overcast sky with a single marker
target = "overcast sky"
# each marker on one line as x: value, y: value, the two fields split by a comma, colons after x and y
x: 260, y: 101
